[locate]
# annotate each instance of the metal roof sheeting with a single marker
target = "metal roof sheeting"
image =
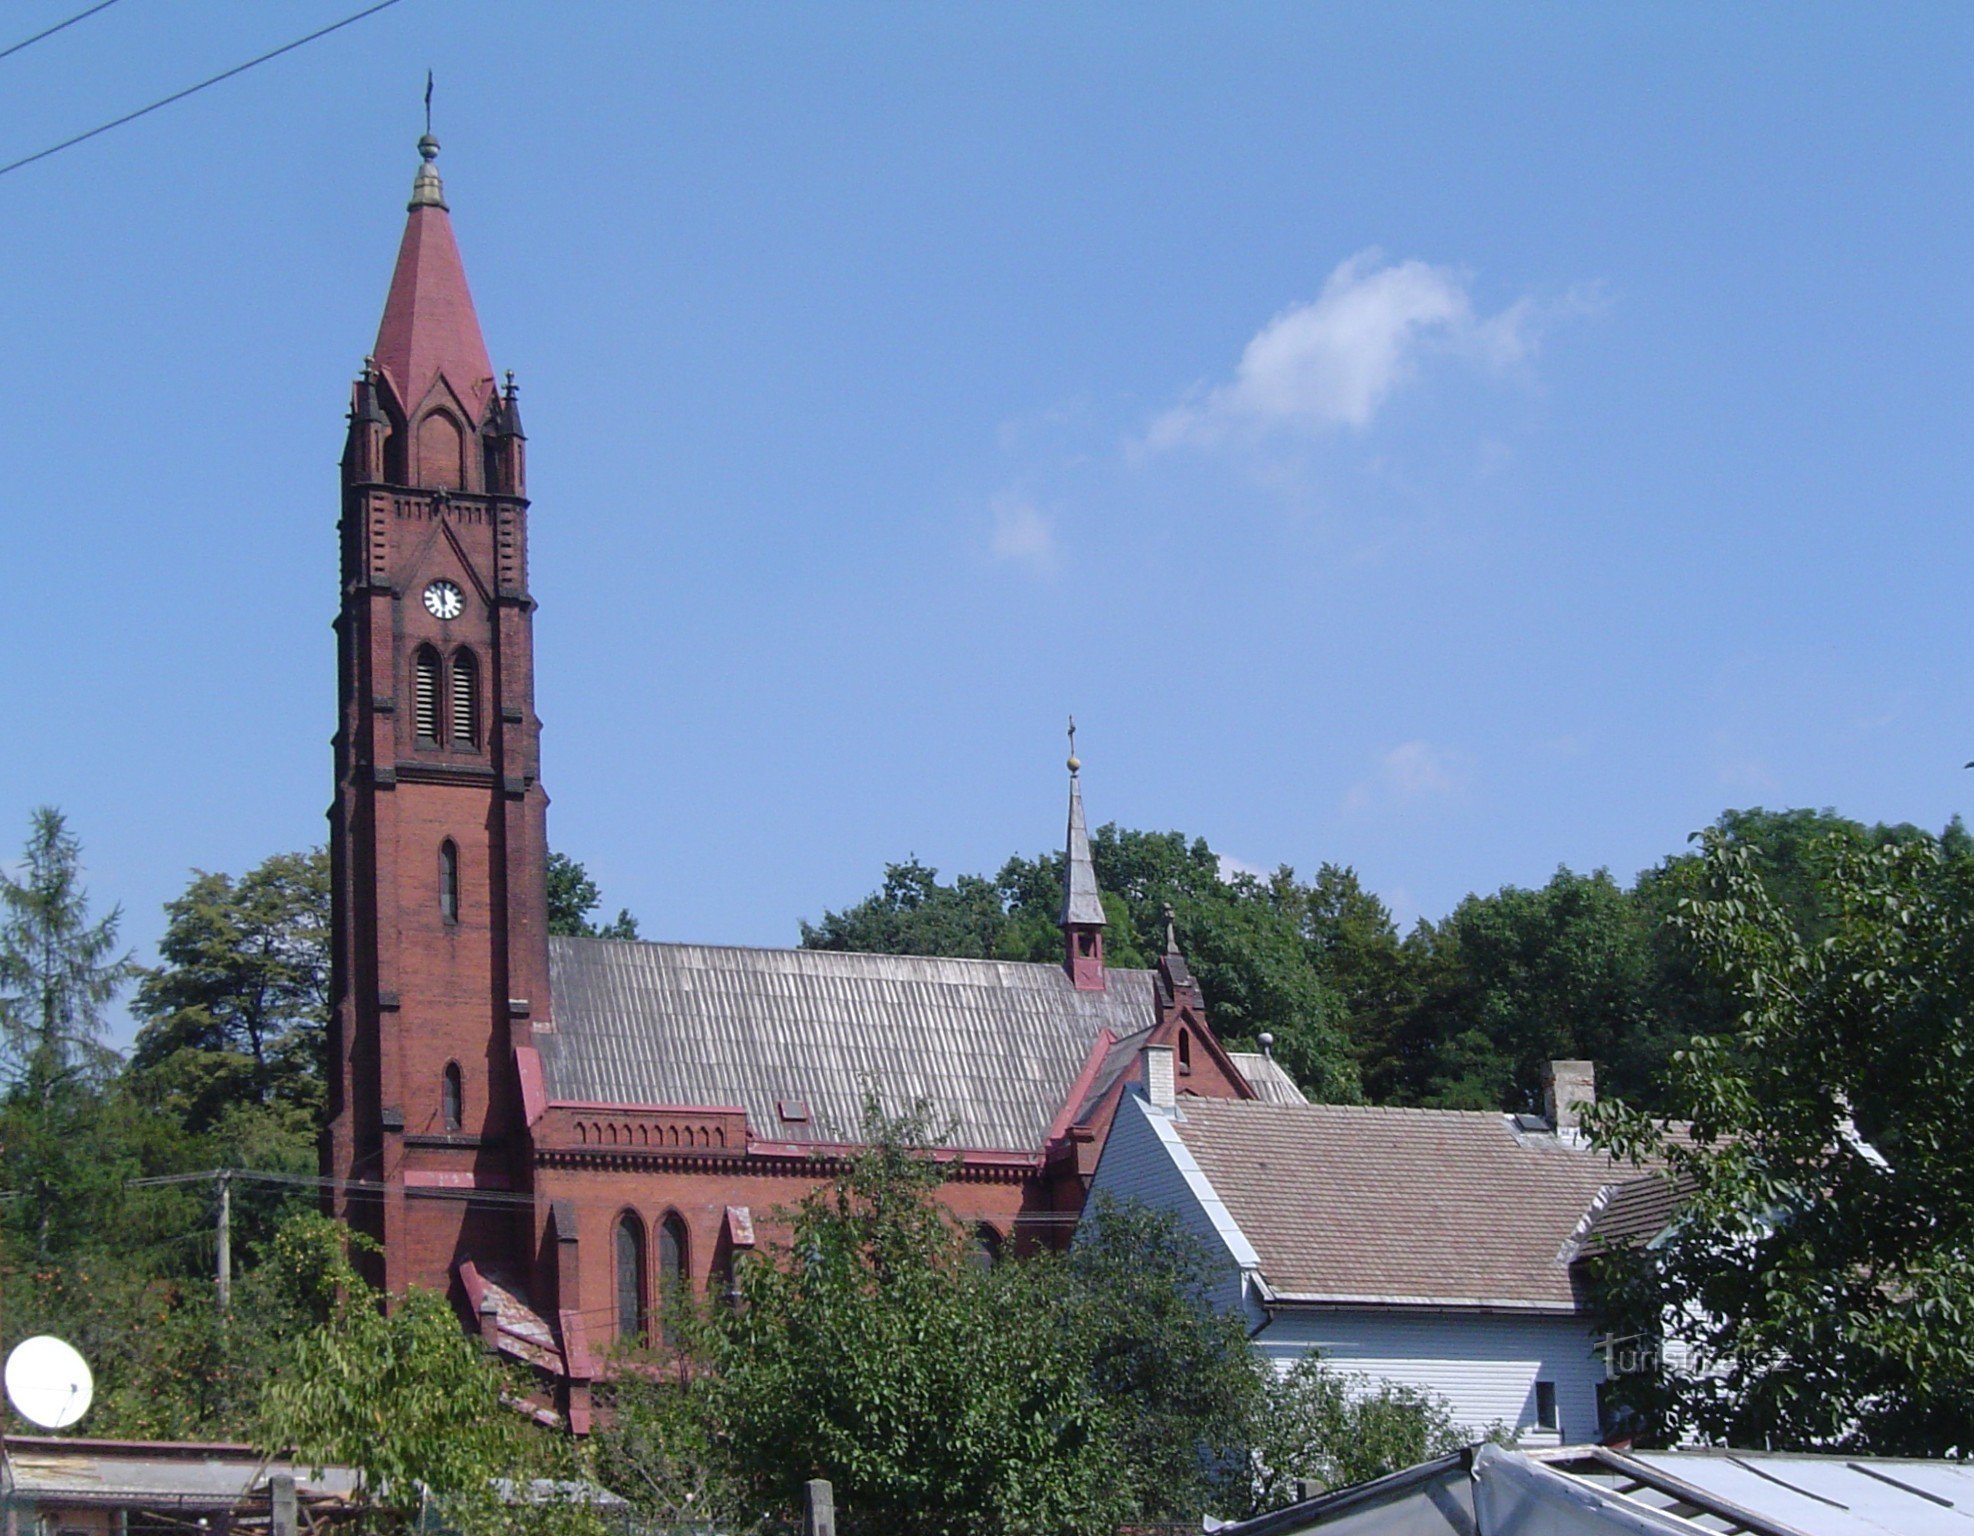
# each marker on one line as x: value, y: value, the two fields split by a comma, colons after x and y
x: 992, y: 1046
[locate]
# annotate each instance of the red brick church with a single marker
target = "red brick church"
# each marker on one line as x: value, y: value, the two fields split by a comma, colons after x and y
x: 550, y: 1129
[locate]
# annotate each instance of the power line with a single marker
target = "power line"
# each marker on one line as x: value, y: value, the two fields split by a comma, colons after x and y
x: 191, y: 90
x: 101, y: 5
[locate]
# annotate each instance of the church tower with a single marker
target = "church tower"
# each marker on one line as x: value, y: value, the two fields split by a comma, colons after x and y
x: 438, y: 828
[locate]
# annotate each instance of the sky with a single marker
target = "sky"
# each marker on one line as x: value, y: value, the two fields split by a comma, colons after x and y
x: 1449, y: 441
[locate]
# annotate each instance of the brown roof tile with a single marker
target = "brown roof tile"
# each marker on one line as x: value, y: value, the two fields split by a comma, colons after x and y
x: 1438, y: 1207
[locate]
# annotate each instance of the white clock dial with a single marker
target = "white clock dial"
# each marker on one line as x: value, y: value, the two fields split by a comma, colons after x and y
x: 443, y: 600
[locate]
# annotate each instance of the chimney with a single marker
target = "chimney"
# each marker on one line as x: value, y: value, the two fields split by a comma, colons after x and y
x: 1156, y: 1076
x: 1567, y: 1086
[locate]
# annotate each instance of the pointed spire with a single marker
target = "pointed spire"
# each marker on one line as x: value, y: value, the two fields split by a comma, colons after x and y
x: 429, y: 328
x: 1081, y: 902
x: 1083, y: 918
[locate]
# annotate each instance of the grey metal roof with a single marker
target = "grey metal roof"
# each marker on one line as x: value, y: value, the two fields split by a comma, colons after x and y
x: 111, y: 1471
x: 993, y: 1046
x: 1267, y: 1077
x: 1081, y: 902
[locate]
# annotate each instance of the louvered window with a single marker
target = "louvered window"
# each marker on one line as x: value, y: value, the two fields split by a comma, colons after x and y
x: 465, y: 699
x: 425, y: 688
x: 449, y: 881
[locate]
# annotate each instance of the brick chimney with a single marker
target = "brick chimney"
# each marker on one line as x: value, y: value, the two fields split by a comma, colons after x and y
x: 1567, y: 1087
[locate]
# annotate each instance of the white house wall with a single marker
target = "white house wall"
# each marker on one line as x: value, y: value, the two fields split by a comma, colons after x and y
x: 1485, y: 1365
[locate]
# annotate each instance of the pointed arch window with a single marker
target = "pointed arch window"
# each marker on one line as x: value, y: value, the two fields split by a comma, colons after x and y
x: 1185, y: 1051
x: 465, y: 699
x: 452, y: 1097
x: 674, y: 1265
x: 986, y: 1246
x: 449, y: 881
x: 425, y: 696
x: 628, y: 1247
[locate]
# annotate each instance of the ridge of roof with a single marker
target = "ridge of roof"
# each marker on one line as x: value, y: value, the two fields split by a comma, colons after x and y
x: 852, y: 956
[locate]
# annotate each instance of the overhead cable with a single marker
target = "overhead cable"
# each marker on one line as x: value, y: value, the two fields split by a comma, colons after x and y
x: 29, y: 42
x: 191, y: 90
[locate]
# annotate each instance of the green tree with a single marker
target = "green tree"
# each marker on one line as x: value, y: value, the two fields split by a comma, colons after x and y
x: 878, y: 1354
x: 58, y: 970
x: 1184, y: 1388
x: 572, y: 896
x: 237, y: 1014
x: 915, y: 914
x: 1820, y: 1270
x: 1331, y: 1428
x: 408, y: 1401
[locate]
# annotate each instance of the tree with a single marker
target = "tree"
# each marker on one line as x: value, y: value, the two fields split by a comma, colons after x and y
x: 572, y: 896
x: 931, y: 1392
x: 1816, y: 1287
x: 58, y: 970
x: 914, y: 914
x: 1328, y: 1427
x: 237, y: 1014
x: 408, y: 1401
x: 1184, y: 1388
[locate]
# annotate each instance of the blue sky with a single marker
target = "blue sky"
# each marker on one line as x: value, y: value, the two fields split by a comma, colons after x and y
x: 1452, y: 441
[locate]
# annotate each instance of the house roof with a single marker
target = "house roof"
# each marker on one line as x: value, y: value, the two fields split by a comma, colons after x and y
x: 1633, y: 1212
x: 178, y: 1473
x: 1407, y: 1206
x: 994, y: 1047
x: 1270, y: 1080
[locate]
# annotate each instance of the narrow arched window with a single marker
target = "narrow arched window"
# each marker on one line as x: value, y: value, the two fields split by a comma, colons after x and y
x: 1185, y: 1051
x: 986, y: 1246
x: 449, y: 881
x: 465, y: 699
x: 425, y: 696
x: 673, y: 1267
x: 629, y: 1246
x: 451, y: 1098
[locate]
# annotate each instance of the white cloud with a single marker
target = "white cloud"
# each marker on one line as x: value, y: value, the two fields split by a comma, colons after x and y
x: 1334, y: 362
x: 1411, y: 773
x: 1230, y: 866
x: 1022, y: 535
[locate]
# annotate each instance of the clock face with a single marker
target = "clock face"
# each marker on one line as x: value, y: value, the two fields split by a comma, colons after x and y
x: 443, y: 600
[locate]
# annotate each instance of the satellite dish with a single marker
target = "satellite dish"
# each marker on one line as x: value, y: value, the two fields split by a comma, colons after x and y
x: 48, y: 1382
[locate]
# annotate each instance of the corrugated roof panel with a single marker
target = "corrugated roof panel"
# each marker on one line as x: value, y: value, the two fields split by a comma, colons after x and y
x: 992, y: 1046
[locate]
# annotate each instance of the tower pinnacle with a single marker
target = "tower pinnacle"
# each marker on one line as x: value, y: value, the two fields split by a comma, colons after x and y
x: 1083, y: 918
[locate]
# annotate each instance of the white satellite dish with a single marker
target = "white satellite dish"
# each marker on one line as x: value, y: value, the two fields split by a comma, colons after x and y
x: 48, y: 1382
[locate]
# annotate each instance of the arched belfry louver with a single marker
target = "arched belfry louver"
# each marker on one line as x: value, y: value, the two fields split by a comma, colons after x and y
x: 465, y: 699
x: 425, y: 696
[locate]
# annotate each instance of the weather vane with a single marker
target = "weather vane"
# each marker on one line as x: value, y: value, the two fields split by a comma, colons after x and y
x: 428, y: 103
x: 1073, y: 763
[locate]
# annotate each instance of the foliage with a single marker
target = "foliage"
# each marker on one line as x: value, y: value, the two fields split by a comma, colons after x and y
x: 878, y: 1354
x: 404, y: 1397
x: 1316, y: 1424
x: 572, y: 896
x: 1182, y: 1384
x: 58, y: 970
x: 238, y: 1012
x: 1820, y: 1273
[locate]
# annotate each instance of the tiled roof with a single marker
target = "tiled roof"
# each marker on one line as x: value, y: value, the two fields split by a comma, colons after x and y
x: 1269, y: 1079
x: 993, y: 1046
x: 1438, y: 1207
x: 1636, y: 1211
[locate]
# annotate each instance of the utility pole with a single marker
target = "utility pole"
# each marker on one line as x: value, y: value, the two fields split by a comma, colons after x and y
x: 225, y: 1277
